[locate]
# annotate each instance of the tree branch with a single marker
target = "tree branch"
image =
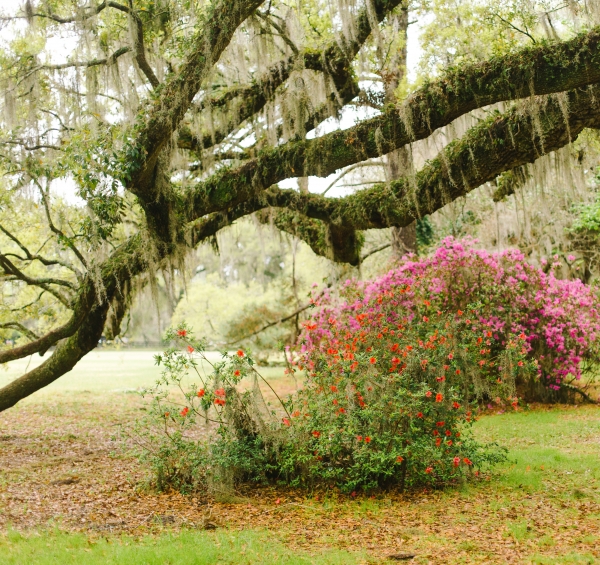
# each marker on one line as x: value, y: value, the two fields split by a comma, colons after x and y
x: 20, y: 327
x: 334, y: 59
x: 140, y: 51
x: 498, y: 144
x: 10, y: 269
x: 216, y: 28
x: 31, y: 257
x: 542, y: 69
x: 62, y: 237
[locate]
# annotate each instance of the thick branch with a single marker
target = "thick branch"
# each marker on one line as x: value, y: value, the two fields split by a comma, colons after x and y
x: 494, y: 146
x: 334, y: 59
x: 140, y: 50
x: 542, y: 69
x: 216, y: 28
x: 85, y: 328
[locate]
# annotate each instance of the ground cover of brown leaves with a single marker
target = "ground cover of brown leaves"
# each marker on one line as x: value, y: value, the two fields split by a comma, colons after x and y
x: 62, y: 464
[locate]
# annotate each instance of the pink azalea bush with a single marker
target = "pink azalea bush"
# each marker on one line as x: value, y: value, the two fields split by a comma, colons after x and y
x: 559, y: 318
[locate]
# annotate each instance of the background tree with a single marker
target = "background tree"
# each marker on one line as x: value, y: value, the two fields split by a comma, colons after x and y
x: 172, y: 120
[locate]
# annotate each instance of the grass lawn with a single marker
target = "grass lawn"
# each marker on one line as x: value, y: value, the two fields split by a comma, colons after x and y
x: 70, y: 493
x: 182, y: 548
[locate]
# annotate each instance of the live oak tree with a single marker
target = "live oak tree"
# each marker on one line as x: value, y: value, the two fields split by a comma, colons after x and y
x: 170, y: 120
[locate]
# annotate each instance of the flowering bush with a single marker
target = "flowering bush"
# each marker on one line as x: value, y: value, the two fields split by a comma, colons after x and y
x: 389, y: 398
x: 560, y: 318
x: 386, y: 402
x: 393, y: 373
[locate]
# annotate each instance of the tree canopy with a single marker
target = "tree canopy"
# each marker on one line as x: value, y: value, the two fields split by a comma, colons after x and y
x: 134, y: 131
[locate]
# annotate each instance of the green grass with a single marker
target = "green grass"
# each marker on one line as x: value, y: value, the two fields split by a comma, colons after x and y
x: 183, y: 548
x: 547, y: 449
x: 105, y: 370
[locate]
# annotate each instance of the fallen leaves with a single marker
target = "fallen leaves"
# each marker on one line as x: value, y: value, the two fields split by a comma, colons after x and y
x: 61, y: 466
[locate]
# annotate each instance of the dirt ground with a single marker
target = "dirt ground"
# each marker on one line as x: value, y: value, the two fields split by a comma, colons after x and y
x: 63, y: 464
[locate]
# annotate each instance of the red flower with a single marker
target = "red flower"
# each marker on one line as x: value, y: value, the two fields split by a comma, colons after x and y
x: 399, y: 458
x: 316, y: 434
x: 181, y: 333
x: 440, y: 424
x: 278, y: 501
x: 429, y: 470
x: 240, y: 353
x: 460, y: 313
x: 372, y: 360
x: 342, y: 410
x: 419, y: 414
x: 458, y: 371
x: 456, y: 405
x: 190, y: 349
x: 448, y: 433
x: 456, y: 461
x: 450, y: 356
x: 438, y: 441
x: 220, y: 392
x: 428, y: 394
x: 467, y: 461
x: 287, y: 422
x: 333, y: 388
x: 184, y: 411
x: 436, y: 433
x: 219, y: 402
x: 425, y: 319
x: 449, y: 442
x: 367, y: 439
x: 439, y: 397
x: 359, y: 438
x: 335, y: 401
x: 201, y: 393
x: 520, y: 363
x: 166, y: 414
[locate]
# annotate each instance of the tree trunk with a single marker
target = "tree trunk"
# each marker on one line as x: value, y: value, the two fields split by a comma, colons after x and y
x: 404, y: 240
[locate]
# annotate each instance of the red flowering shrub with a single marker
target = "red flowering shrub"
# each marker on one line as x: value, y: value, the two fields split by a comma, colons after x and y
x: 390, y: 394
x: 386, y: 402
